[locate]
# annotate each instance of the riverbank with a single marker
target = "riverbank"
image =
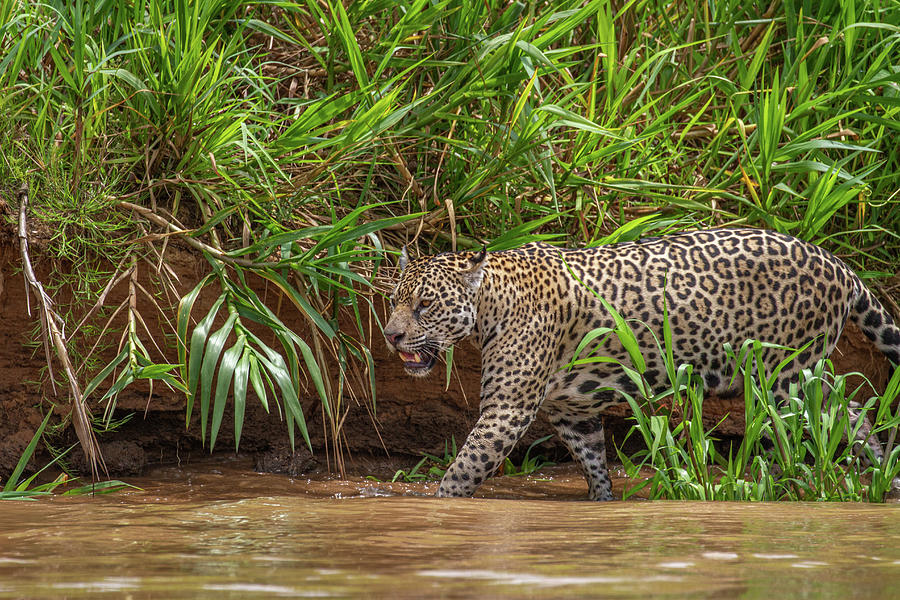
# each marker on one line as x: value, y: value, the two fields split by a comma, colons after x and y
x: 409, y: 416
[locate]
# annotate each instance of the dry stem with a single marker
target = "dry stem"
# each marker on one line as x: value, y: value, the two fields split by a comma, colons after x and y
x: 51, y: 333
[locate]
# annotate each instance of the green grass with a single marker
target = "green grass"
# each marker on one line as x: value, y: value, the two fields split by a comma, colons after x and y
x: 530, y: 464
x: 18, y: 487
x: 811, y: 459
x: 437, y: 465
x: 252, y: 130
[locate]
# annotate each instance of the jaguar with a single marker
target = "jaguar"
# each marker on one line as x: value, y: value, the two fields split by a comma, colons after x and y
x: 528, y: 309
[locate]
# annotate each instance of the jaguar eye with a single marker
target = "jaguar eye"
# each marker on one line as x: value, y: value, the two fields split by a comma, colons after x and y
x: 424, y: 303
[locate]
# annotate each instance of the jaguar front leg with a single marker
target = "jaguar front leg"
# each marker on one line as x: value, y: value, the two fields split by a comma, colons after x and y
x: 508, y: 407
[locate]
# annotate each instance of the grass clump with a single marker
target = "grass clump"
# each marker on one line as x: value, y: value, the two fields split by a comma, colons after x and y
x: 437, y: 465
x: 530, y: 464
x: 811, y: 459
x: 18, y: 487
x: 795, y: 451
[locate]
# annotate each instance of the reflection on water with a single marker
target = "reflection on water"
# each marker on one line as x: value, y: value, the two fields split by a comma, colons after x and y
x: 236, y: 534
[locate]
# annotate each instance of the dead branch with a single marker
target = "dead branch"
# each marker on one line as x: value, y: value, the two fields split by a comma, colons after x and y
x: 185, y: 234
x: 51, y: 332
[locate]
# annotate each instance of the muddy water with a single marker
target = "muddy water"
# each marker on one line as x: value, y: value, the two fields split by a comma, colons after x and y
x: 230, y: 533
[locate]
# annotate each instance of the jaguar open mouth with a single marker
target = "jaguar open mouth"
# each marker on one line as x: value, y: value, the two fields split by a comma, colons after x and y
x: 418, y: 363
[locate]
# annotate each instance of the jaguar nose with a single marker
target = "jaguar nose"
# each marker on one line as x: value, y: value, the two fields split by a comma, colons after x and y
x: 393, y: 338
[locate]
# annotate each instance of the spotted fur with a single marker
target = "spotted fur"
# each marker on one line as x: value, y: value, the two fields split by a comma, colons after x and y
x: 527, y: 311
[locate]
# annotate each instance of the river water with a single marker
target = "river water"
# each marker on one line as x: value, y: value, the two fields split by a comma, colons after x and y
x: 226, y: 532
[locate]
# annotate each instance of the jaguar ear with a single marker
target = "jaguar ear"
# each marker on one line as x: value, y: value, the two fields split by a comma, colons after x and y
x: 473, y: 273
x: 477, y: 259
x: 404, y: 259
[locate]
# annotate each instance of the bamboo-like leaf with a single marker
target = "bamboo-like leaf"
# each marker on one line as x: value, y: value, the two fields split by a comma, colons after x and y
x: 223, y: 383
x: 62, y: 68
x: 212, y: 351
x: 588, y: 339
x: 312, y: 367
x: 256, y: 381
x: 269, y: 243
x: 105, y: 372
x: 154, y: 371
x: 125, y: 378
x: 668, y: 344
x: 626, y: 337
x: 573, y: 119
x: 241, y: 374
x: 100, y: 487
x: 277, y: 369
x: 185, y: 305
x: 300, y: 301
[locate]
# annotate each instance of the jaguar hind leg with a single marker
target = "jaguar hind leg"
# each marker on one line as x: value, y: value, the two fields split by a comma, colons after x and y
x: 586, y: 441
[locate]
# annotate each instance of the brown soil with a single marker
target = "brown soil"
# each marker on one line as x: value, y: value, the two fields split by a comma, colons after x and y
x: 409, y: 416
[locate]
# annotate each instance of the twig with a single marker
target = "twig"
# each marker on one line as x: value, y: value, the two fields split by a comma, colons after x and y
x: 50, y: 329
x: 185, y: 234
x: 117, y: 277
x: 759, y: 29
x: 408, y: 178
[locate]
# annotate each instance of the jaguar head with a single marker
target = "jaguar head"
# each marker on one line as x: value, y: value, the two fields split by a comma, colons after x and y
x: 433, y: 306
